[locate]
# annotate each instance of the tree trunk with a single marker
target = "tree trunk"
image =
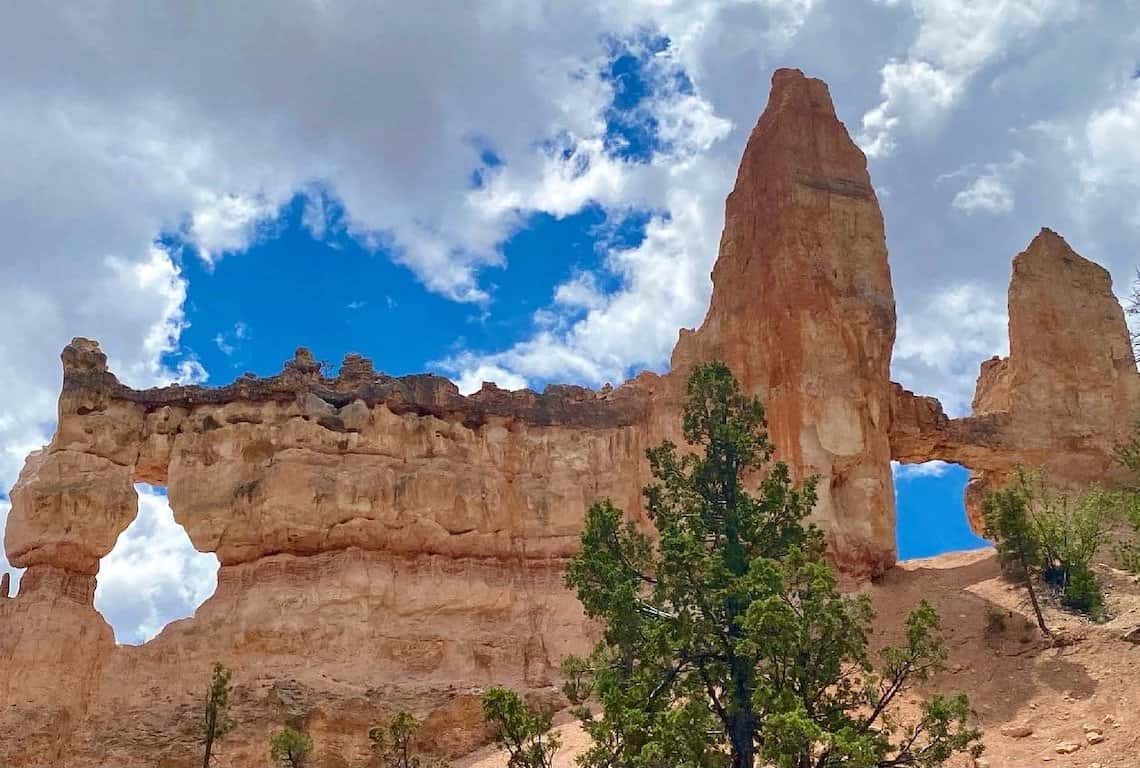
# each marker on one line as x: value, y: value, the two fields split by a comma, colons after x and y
x: 741, y: 736
x: 1028, y: 574
x: 210, y: 717
x: 1036, y: 606
x: 742, y: 724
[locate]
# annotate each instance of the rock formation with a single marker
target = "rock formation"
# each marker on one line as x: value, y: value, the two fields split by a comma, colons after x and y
x: 803, y: 312
x: 1066, y: 396
x: 386, y: 542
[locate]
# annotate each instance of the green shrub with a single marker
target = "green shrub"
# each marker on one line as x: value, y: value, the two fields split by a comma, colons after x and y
x: 995, y: 621
x: 392, y: 744
x: 1041, y: 533
x: 290, y: 748
x: 523, y: 732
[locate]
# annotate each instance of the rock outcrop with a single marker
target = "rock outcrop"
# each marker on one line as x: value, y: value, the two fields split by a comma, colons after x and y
x: 1066, y: 396
x: 388, y: 543
x: 803, y: 312
x: 383, y: 542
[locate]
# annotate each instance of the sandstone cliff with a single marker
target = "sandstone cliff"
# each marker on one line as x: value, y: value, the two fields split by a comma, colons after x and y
x: 385, y: 542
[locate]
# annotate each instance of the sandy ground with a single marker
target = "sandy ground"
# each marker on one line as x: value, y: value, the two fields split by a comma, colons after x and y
x: 1033, y: 699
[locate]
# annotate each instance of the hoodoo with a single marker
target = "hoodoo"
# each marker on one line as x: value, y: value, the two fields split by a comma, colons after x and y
x: 803, y: 312
x: 387, y: 543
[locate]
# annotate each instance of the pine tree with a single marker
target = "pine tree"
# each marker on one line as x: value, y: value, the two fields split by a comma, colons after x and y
x: 290, y: 748
x: 216, y: 722
x: 1008, y: 525
x: 725, y: 638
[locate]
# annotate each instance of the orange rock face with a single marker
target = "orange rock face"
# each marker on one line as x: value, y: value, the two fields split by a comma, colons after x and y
x: 803, y: 312
x: 1066, y: 396
x: 387, y: 543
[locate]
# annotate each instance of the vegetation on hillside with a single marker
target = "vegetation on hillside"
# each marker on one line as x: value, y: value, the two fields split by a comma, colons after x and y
x: 290, y: 748
x: 391, y: 744
x: 521, y: 730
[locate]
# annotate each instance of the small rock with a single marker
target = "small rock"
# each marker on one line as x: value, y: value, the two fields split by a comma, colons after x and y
x: 355, y: 415
x: 1067, y: 748
x: 981, y: 762
x: 1018, y: 731
x: 1094, y: 737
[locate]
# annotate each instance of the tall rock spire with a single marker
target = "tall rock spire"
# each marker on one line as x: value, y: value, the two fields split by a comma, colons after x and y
x: 803, y: 313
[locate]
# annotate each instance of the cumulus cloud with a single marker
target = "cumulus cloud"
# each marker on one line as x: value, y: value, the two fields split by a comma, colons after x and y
x: 904, y: 472
x: 991, y: 191
x: 1110, y: 155
x: 956, y: 39
x: 987, y: 194
x: 942, y: 340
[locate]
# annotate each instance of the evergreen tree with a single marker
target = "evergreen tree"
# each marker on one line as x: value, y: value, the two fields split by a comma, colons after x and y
x: 726, y: 638
x: 216, y: 722
x: 523, y: 732
x: 392, y: 744
x: 1006, y: 512
x: 290, y: 748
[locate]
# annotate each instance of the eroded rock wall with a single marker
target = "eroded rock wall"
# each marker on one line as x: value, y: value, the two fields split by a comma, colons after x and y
x: 383, y: 542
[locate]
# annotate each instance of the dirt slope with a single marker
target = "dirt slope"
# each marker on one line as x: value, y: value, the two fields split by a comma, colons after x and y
x: 1030, y: 697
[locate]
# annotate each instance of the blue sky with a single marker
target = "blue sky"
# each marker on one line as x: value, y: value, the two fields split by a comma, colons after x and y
x: 519, y: 192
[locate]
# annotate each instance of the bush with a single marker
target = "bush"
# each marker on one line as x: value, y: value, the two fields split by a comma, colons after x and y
x: 290, y: 748
x: 1042, y: 533
x: 522, y: 731
x: 995, y: 621
x: 392, y: 744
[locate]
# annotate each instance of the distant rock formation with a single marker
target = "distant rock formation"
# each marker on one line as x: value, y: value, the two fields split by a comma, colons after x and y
x: 1066, y: 396
x: 388, y: 543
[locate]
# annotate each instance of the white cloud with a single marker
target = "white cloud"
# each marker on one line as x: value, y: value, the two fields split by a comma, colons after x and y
x: 986, y: 194
x: 153, y: 575
x: 1110, y: 155
x: 476, y: 373
x: 943, y: 338
x: 956, y: 39
x: 228, y: 342
x: 990, y: 192
x: 904, y: 472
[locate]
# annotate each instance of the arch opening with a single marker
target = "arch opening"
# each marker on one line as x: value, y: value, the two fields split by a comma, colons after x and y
x: 153, y: 575
x: 931, y: 510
